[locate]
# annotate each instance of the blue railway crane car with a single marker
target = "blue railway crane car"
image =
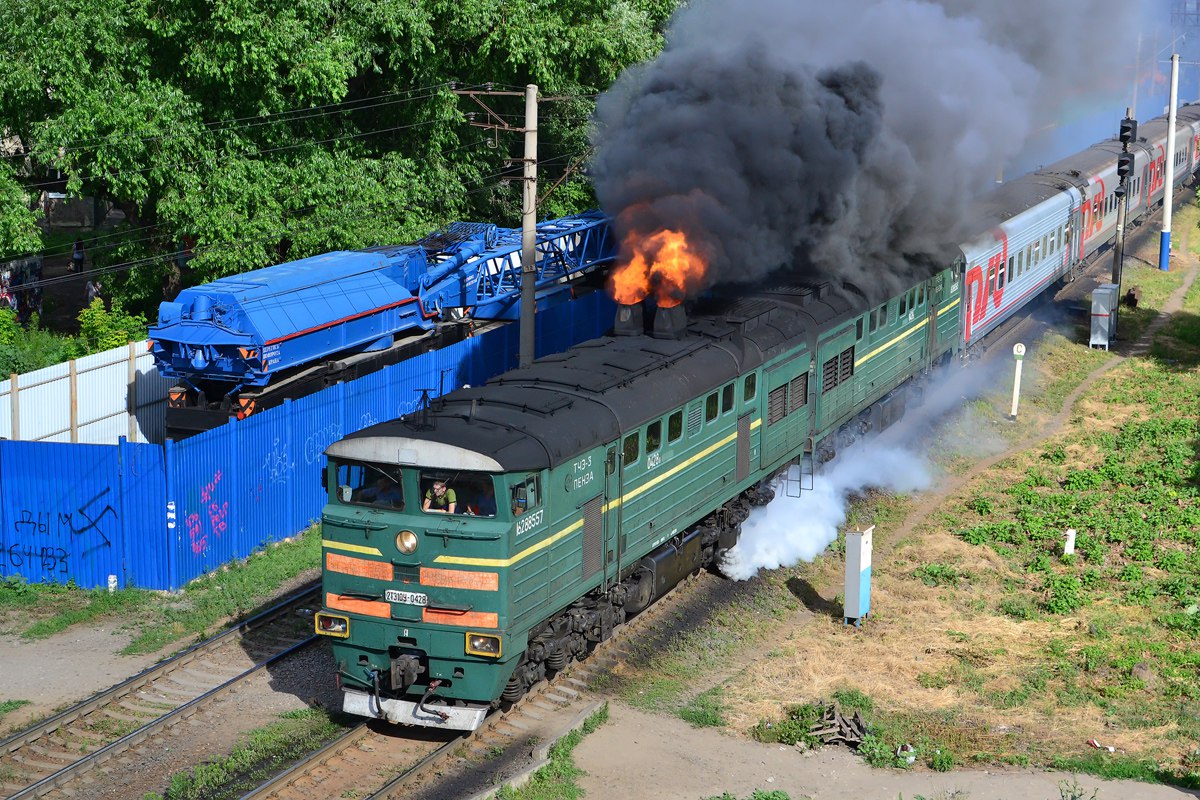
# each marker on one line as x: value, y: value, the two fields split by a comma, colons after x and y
x: 247, y: 342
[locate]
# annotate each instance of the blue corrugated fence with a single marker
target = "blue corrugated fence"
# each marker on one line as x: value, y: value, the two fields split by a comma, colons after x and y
x: 160, y: 516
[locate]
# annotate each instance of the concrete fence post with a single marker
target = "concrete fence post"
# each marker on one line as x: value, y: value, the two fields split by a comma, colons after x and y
x: 73, y: 387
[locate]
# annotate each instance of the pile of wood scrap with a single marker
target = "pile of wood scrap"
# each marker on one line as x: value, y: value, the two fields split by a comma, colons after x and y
x: 834, y: 727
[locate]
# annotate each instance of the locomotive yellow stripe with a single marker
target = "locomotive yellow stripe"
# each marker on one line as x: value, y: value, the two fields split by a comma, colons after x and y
x: 894, y: 340
x: 353, y: 548
x: 904, y: 335
x: 577, y: 524
x: 508, y: 562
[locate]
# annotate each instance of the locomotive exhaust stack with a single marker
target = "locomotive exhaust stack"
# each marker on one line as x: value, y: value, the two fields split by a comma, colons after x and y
x: 670, y: 322
x: 665, y: 323
x: 630, y: 320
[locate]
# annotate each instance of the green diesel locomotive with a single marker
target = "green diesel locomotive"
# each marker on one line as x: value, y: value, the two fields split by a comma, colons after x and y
x: 474, y: 546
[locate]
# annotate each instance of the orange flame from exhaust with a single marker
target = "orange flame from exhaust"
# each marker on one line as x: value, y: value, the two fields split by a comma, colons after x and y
x: 664, y: 263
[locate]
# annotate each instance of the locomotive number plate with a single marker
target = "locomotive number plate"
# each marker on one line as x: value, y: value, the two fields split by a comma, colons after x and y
x: 411, y: 598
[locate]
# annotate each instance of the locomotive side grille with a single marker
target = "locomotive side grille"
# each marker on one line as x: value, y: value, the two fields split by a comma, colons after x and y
x: 798, y: 392
x: 777, y: 404
x: 693, y: 420
x: 593, y: 536
x: 847, y: 369
x: 829, y: 374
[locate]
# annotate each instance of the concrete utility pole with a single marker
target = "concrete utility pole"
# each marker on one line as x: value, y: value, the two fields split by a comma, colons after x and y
x: 529, y: 230
x: 529, y: 201
x: 1164, y: 248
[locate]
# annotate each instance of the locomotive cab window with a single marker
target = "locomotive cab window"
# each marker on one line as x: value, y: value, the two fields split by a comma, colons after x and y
x: 371, y: 485
x: 727, y: 398
x: 526, y: 495
x: 458, y: 492
x: 749, y: 387
x: 654, y: 436
x: 710, y: 407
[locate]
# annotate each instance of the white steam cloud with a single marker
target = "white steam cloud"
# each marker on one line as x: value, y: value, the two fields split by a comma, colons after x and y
x: 789, y: 530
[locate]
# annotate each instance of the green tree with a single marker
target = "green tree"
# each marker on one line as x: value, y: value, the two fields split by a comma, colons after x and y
x: 258, y: 131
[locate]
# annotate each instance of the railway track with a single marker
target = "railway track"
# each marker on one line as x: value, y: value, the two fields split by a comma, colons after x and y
x: 48, y: 756
x: 381, y: 761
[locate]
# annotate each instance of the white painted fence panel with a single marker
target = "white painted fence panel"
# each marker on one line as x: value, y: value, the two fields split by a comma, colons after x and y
x: 88, y: 400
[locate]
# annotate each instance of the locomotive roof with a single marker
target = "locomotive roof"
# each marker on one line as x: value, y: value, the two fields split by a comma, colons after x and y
x: 564, y: 404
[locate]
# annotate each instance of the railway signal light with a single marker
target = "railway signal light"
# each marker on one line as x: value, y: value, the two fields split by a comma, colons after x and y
x: 1124, y: 165
x: 1128, y: 130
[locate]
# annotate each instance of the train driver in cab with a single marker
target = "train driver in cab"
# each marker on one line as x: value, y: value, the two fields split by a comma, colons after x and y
x: 440, y: 498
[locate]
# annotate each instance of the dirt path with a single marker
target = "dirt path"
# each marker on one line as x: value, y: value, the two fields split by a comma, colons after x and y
x: 646, y: 755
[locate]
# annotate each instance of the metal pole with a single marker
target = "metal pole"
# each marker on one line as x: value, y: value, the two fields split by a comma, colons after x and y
x: 528, y: 229
x: 1164, y: 247
x: 1119, y: 239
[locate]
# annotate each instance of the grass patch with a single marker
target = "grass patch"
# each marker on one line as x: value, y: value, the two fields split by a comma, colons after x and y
x: 8, y: 706
x: 705, y: 709
x: 157, y: 619
x: 259, y: 755
x: 228, y: 593
x: 557, y: 780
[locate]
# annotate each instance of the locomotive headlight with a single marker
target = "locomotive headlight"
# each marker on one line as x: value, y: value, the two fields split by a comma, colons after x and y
x: 406, y: 542
x: 483, y: 644
x: 332, y: 625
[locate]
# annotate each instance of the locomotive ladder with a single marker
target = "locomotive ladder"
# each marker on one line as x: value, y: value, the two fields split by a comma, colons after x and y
x: 800, y: 479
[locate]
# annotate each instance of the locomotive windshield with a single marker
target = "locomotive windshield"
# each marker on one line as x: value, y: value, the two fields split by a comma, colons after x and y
x: 370, y: 485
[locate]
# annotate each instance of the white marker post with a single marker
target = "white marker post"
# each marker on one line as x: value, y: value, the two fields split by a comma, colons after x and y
x: 1019, y: 355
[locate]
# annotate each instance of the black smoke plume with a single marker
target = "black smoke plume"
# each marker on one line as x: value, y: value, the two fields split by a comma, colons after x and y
x: 842, y: 141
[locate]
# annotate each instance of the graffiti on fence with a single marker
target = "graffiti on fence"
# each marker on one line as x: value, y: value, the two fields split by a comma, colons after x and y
x: 90, y: 516
x: 215, y: 510
x: 277, y: 464
x: 317, y: 441
x: 49, y: 558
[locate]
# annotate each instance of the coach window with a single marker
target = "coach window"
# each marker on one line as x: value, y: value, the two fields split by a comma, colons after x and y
x: 710, y: 407
x: 632, y: 444
x: 727, y: 398
x: 1020, y: 262
x: 675, y: 426
x: 749, y: 387
x: 1029, y: 256
x: 1000, y: 275
x: 654, y: 436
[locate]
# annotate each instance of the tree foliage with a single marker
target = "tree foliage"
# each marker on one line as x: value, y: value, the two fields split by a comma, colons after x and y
x: 258, y: 131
